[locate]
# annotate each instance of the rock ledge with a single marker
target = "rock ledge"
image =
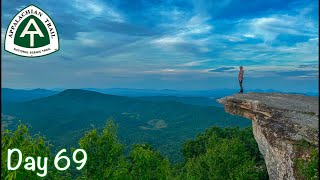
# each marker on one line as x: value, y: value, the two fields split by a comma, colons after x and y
x: 280, y: 121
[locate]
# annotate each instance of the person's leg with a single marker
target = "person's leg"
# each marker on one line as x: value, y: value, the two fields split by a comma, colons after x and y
x: 241, y: 88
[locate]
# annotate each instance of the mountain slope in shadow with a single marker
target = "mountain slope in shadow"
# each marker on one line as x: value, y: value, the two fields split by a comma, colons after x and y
x: 64, y: 118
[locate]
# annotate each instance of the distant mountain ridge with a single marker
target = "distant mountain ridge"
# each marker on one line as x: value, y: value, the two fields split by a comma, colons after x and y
x: 186, y: 93
x: 194, y: 100
x: 20, y: 95
x: 23, y: 95
x: 65, y: 116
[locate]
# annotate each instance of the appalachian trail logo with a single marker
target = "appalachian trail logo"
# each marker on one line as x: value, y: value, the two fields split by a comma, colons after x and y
x: 31, y: 33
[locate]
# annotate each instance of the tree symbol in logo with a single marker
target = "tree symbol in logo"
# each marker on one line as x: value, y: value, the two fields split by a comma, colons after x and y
x: 32, y: 33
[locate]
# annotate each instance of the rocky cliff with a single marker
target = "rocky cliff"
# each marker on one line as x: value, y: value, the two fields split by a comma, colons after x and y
x: 281, y: 122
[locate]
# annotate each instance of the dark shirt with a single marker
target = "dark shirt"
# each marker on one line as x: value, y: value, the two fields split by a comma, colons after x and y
x: 240, y: 76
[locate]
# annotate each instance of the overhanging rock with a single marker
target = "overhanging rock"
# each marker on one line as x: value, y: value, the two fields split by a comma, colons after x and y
x: 280, y: 122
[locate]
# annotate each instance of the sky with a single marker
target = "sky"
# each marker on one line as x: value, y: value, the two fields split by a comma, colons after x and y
x: 172, y: 44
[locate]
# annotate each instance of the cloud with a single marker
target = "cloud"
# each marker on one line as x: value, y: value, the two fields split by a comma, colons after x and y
x: 189, y: 36
x: 270, y: 27
x: 20, y: 7
x: 310, y: 73
x: 159, y: 43
x: 249, y: 35
x: 222, y: 69
x: 305, y: 66
x: 164, y: 41
x: 193, y: 63
x: 233, y: 39
x: 87, y: 39
x: 196, y: 25
x: 96, y: 8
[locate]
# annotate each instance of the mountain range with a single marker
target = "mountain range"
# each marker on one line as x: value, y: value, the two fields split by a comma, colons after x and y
x: 165, y: 122
x: 19, y: 95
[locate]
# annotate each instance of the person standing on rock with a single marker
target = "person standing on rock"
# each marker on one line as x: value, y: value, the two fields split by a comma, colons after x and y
x: 240, y: 78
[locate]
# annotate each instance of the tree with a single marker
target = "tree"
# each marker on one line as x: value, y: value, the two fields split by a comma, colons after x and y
x: 105, y: 154
x: 33, y: 146
x: 146, y: 163
x: 219, y: 153
x: 222, y: 154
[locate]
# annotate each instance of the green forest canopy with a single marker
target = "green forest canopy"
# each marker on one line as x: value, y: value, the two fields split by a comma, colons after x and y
x: 218, y: 153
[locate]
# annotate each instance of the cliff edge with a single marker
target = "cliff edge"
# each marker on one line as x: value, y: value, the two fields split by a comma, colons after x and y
x: 281, y: 122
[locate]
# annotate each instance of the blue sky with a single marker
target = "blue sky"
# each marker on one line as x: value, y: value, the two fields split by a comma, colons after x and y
x: 186, y: 45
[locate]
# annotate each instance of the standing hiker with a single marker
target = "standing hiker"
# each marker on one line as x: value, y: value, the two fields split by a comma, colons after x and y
x: 240, y: 78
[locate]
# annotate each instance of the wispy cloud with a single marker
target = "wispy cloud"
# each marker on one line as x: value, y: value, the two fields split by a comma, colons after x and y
x: 222, y: 69
x: 193, y: 63
x: 139, y: 43
x: 96, y: 8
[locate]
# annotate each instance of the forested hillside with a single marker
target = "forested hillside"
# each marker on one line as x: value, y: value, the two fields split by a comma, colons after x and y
x: 218, y: 153
x: 64, y: 118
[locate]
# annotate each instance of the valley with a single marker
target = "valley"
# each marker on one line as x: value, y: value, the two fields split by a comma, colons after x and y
x: 165, y: 124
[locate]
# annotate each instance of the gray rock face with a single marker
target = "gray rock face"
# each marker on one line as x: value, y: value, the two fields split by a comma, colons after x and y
x: 279, y: 121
